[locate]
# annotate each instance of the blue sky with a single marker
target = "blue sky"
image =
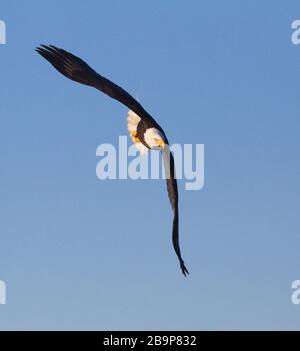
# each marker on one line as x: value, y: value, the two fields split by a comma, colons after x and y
x: 80, y: 253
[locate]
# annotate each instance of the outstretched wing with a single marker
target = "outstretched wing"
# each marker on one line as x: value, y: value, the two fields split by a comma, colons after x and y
x: 173, y: 196
x: 76, y: 69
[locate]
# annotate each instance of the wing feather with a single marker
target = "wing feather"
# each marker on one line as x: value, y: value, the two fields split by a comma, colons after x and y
x: 76, y: 69
x: 173, y: 197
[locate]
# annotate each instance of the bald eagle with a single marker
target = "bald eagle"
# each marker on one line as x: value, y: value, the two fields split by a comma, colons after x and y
x: 145, y: 132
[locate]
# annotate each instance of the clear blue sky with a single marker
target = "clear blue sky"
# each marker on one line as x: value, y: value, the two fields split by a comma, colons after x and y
x: 79, y: 253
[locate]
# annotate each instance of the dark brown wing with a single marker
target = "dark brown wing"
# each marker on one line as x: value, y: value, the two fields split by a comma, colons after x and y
x: 76, y: 69
x: 173, y: 196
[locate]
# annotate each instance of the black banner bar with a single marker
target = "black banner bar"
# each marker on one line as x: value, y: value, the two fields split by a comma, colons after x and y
x: 140, y: 340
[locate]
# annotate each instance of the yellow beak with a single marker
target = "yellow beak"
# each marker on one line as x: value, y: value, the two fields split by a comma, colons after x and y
x: 161, y: 143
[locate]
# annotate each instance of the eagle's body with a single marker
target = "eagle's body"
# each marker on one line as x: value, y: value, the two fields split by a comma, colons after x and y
x: 143, y: 137
x: 145, y: 132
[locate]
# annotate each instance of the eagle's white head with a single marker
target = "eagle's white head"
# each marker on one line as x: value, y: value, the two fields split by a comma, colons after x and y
x: 154, y: 138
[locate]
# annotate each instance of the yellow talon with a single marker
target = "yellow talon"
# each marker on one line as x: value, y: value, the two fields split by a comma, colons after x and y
x: 134, y: 137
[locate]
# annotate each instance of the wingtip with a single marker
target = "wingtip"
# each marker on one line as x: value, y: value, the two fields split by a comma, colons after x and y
x: 45, y: 46
x: 42, y: 47
x: 39, y: 46
x: 184, y: 270
x: 53, y: 47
